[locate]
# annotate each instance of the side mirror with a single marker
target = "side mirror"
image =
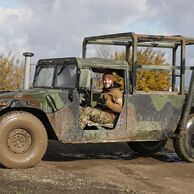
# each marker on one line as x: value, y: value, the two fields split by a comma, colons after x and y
x: 85, y: 79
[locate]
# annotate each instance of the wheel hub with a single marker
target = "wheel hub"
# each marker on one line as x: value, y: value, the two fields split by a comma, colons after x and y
x: 19, y: 141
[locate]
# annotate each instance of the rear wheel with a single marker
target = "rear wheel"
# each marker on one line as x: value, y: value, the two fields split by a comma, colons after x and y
x: 147, y: 148
x: 23, y: 140
x: 184, y: 142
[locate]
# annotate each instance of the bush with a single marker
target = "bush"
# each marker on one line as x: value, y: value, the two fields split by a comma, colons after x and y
x: 11, y: 73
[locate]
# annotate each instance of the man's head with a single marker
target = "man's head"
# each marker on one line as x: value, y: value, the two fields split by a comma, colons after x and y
x: 108, y: 80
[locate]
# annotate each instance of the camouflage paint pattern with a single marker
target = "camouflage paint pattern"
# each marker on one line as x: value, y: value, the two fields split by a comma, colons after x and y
x: 144, y: 116
x: 35, y: 98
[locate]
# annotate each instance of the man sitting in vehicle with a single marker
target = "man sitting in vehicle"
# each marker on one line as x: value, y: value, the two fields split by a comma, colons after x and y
x: 107, y: 108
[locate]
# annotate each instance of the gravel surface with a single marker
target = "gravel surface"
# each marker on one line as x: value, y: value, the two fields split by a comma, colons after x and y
x: 100, y: 168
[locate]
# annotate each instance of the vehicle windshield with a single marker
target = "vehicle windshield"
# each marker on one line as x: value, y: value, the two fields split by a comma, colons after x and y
x: 65, y: 76
x: 44, y: 76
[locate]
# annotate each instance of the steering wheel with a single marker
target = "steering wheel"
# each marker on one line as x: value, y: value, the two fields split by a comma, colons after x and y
x: 84, y: 97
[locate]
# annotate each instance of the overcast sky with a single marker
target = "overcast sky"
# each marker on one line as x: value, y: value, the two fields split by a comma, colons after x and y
x: 56, y: 28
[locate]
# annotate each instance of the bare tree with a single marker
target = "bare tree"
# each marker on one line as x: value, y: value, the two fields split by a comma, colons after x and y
x: 104, y: 52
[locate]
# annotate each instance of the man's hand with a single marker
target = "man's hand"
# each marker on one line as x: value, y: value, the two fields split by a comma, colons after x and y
x: 102, y: 100
x: 105, y: 99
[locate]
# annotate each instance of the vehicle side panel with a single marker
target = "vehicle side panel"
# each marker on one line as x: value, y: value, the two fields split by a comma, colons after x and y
x: 67, y: 122
x: 145, y: 117
x: 156, y: 115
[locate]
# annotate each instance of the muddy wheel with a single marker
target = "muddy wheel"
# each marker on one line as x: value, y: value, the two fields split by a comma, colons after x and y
x: 147, y: 148
x: 23, y: 140
x: 184, y: 143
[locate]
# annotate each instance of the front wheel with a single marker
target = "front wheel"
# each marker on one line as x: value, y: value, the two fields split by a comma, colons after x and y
x: 184, y: 142
x: 148, y: 147
x: 23, y: 140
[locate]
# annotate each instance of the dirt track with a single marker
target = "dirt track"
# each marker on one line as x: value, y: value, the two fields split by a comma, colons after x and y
x: 100, y: 168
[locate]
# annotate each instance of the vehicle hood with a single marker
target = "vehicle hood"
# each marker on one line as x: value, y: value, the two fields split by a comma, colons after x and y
x: 34, y: 98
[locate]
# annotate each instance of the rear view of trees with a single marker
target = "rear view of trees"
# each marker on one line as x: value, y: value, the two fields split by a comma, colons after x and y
x: 11, y: 73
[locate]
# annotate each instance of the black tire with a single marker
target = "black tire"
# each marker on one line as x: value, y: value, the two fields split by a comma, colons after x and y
x: 23, y: 140
x: 184, y: 142
x: 147, y: 147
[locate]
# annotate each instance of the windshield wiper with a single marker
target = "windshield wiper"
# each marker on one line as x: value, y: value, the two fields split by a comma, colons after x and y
x: 62, y: 68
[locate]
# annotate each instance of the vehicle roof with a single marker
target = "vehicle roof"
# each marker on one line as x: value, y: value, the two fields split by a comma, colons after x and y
x: 145, y: 40
x: 101, y: 63
x: 56, y: 61
x: 87, y: 62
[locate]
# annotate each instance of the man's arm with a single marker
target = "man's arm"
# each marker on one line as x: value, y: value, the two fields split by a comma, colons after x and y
x: 115, y: 101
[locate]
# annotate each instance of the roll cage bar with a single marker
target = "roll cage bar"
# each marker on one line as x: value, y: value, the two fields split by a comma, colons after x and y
x: 132, y: 41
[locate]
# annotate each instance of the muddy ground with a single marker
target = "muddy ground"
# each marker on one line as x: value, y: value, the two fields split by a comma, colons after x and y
x: 101, y: 168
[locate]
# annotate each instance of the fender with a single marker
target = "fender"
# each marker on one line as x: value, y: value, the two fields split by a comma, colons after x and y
x: 21, y: 103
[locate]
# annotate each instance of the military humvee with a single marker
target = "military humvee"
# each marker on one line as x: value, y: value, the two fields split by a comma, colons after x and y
x: 50, y: 109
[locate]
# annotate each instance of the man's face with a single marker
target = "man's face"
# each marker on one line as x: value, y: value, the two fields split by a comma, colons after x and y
x: 107, y: 82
